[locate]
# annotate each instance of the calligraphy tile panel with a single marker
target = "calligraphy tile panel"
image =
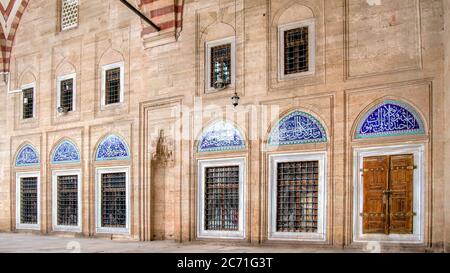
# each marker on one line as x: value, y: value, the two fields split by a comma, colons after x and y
x: 27, y: 156
x: 221, y: 136
x: 297, y: 128
x: 112, y: 148
x: 66, y: 152
x: 390, y: 118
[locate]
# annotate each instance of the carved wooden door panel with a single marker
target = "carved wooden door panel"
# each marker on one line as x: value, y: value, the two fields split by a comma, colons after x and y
x: 388, y: 194
x: 401, y: 194
x: 376, y: 170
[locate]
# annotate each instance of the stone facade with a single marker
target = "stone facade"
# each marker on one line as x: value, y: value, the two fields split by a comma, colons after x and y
x: 366, y: 53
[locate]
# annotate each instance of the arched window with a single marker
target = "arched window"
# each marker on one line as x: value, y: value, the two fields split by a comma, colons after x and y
x: 390, y: 118
x: 66, y: 152
x: 112, y: 147
x: 297, y: 128
x: 221, y: 136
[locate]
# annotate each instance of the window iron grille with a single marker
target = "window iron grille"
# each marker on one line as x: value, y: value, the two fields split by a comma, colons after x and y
x: 66, y: 100
x: 69, y: 14
x: 222, y: 198
x: 221, y: 64
x: 113, y: 204
x: 112, y: 90
x: 296, y: 51
x: 67, y: 211
x: 29, y: 200
x: 28, y: 103
x: 297, y: 196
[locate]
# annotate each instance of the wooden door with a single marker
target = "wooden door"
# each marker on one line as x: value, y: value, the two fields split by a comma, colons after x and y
x: 376, y: 173
x: 401, y: 194
x: 388, y: 194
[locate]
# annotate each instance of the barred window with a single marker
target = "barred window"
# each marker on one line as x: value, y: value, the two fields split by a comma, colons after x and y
x: 113, y: 85
x: 296, y: 50
x: 221, y: 64
x: 113, y: 203
x: 67, y: 210
x: 69, y: 14
x: 66, y: 94
x: 28, y: 103
x: 222, y: 198
x: 29, y: 200
x: 297, y: 196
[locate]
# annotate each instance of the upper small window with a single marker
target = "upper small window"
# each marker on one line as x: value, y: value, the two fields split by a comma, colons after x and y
x: 297, y: 49
x: 28, y: 102
x: 220, y: 63
x: 69, y: 14
x: 66, y: 93
x: 112, y: 84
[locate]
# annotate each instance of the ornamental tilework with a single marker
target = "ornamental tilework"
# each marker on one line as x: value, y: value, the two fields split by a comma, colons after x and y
x: 27, y: 157
x: 297, y: 128
x: 66, y: 152
x: 390, y: 118
x: 221, y: 136
x: 112, y: 148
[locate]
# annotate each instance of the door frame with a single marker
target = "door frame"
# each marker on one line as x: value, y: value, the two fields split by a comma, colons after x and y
x: 419, y: 196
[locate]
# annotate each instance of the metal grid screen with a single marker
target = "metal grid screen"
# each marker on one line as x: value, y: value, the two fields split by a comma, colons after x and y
x: 28, y: 200
x: 68, y: 200
x: 222, y: 198
x: 296, y: 51
x: 69, y: 14
x: 297, y: 196
x: 114, y: 208
x: 28, y: 103
x: 221, y: 64
x: 112, y: 92
x: 67, y: 94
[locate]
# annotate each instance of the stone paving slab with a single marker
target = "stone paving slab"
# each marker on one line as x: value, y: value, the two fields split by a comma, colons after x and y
x: 20, y: 243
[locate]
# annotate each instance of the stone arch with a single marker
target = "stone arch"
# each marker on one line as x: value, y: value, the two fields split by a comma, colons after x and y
x: 27, y: 77
x: 294, y: 11
x: 297, y: 127
x: 221, y: 135
x: 26, y: 156
x: 389, y: 117
x: 217, y: 31
x: 64, y: 68
x: 110, y: 56
x: 66, y: 151
x: 112, y: 147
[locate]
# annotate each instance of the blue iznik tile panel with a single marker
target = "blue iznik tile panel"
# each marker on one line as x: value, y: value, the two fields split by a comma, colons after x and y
x: 66, y: 152
x: 27, y: 156
x: 112, y: 148
x: 297, y: 128
x: 390, y: 118
x: 221, y: 136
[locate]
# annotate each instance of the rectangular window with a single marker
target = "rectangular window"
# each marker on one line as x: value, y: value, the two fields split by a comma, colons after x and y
x: 69, y: 14
x: 220, y: 64
x: 113, y: 200
x: 28, y: 103
x: 297, y: 196
x: 296, y: 50
x: 112, y: 86
x: 29, y: 201
x: 66, y: 99
x: 222, y: 198
x: 67, y: 205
